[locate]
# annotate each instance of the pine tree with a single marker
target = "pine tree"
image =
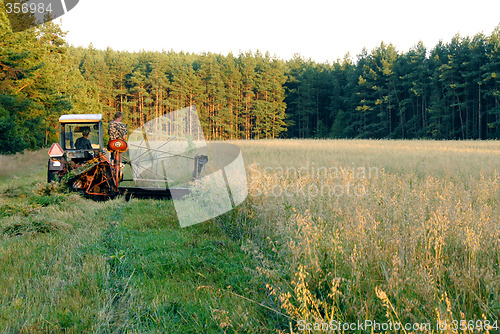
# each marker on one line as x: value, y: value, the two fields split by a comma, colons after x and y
x: 490, y: 118
x: 247, y: 67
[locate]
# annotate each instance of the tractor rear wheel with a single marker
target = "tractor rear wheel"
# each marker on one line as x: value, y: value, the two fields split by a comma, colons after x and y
x: 52, y: 176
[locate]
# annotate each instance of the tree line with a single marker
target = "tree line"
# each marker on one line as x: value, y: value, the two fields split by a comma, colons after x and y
x: 236, y: 97
x: 448, y: 92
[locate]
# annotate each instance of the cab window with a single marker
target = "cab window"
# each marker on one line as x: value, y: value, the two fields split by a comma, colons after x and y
x: 74, y: 131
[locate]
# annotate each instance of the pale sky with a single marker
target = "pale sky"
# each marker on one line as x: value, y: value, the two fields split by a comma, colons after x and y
x: 317, y: 29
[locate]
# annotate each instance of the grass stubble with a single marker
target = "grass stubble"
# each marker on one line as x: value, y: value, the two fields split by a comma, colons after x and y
x: 332, y: 230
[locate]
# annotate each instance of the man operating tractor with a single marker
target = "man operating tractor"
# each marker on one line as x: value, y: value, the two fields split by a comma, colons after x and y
x: 83, y: 143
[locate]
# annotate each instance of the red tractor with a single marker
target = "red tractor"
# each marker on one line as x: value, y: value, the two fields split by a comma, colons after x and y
x: 79, y: 158
x: 81, y: 161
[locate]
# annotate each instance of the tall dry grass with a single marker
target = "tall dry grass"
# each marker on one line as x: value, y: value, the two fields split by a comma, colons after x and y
x: 420, y: 243
x: 21, y: 163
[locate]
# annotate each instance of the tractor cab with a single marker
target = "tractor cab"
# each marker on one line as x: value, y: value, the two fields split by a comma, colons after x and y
x: 80, y: 139
x: 72, y: 127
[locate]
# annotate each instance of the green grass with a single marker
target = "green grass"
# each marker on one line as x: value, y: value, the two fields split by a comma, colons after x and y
x: 72, y: 265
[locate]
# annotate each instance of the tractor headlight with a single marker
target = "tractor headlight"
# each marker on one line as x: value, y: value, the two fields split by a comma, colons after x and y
x: 56, y: 163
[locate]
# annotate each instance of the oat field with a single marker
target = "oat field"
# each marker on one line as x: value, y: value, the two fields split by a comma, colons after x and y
x: 333, y: 233
x: 416, y: 240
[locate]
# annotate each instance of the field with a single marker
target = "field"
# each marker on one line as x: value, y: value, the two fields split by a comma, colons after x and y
x: 334, y: 232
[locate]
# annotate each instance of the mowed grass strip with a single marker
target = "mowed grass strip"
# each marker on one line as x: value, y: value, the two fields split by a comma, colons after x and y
x: 181, y: 280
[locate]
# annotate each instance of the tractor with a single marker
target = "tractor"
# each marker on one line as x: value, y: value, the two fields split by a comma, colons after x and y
x: 92, y: 169
x: 84, y: 167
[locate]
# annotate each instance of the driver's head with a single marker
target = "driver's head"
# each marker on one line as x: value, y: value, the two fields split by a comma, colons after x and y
x: 85, y: 133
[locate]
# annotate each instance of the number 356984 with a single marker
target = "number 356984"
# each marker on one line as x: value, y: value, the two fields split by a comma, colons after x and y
x: 25, y: 8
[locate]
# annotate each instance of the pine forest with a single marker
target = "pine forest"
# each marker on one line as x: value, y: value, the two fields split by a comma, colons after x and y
x: 450, y: 92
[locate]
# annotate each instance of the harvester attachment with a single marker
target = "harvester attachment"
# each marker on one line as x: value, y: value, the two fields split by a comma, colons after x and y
x: 94, y: 178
